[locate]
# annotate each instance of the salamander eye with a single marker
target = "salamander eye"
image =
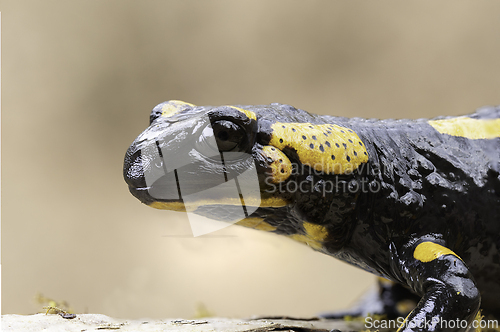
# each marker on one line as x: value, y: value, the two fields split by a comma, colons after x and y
x: 228, y: 135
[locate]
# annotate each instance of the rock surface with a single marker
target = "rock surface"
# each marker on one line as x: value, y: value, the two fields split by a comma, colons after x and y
x: 96, y: 322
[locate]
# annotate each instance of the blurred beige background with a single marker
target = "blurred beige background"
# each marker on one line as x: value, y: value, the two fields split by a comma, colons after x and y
x: 79, y: 81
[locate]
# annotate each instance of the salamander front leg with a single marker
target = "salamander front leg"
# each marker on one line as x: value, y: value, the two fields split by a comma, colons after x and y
x: 450, y: 298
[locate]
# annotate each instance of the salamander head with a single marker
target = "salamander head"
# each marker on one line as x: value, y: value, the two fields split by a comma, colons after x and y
x: 226, y: 162
x: 188, y: 154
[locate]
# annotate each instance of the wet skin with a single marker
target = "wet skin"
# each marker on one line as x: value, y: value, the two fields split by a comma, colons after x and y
x: 414, y: 201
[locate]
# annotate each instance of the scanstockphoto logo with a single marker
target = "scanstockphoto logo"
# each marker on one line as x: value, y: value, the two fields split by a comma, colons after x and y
x: 326, y: 185
x: 436, y: 323
x: 318, y: 178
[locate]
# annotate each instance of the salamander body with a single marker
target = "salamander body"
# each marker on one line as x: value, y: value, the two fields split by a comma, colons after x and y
x: 416, y: 202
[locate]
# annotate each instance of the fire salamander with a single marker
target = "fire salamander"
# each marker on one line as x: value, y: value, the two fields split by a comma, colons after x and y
x: 416, y: 202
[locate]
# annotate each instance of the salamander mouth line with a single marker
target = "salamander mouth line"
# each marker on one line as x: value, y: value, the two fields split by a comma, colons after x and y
x: 181, y: 204
x: 205, y: 201
x: 227, y: 202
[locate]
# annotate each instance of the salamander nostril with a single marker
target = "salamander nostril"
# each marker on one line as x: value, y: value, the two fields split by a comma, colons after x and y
x: 133, y: 172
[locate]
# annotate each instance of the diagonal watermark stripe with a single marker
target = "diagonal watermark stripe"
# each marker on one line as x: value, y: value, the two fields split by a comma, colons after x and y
x: 178, y: 176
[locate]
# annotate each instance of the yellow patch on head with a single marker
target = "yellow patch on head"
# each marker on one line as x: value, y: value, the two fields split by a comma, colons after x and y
x: 278, y: 163
x: 313, y: 237
x: 429, y: 251
x: 327, y: 148
x: 250, y: 114
x: 172, y: 107
x: 468, y: 128
x: 256, y: 223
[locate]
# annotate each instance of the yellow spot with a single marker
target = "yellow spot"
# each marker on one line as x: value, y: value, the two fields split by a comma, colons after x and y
x: 468, y: 128
x: 256, y: 223
x: 278, y: 163
x: 314, y: 237
x: 405, y: 306
x: 250, y: 114
x: 202, y: 311
x: 327, y: 148
x: 429, y: 251
x: 172, y: 107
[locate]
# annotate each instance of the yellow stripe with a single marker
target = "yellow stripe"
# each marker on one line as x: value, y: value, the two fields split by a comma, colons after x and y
x: 403, y: 324
x: 173, y: 206
x: 468, y: 128
x: 429, y: 251
x: 191, y: 206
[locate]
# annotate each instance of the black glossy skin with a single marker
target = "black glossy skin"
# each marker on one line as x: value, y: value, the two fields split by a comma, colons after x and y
x: 418, y: 186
